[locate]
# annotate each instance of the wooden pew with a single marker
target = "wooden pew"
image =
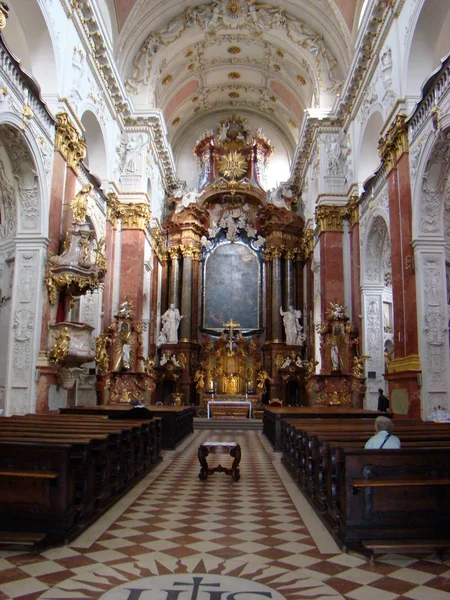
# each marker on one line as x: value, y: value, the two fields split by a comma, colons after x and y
x: 101, y: 460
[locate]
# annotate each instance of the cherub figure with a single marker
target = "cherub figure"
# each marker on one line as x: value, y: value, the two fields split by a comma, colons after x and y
x: 261, y: 379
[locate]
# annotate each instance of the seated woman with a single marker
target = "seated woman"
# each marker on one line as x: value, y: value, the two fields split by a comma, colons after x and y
x: 383, y: 437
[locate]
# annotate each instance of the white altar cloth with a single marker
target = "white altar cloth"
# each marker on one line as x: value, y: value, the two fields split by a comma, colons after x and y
x: 231, y: 403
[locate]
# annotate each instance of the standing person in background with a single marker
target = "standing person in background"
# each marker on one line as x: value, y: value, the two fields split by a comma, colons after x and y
x: 383, y: 402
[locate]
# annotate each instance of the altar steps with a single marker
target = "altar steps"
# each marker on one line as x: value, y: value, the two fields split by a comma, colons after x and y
x: 228, y: 423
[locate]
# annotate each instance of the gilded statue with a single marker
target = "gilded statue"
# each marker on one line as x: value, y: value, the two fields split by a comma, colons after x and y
x: 60, y: 348
x: 199, y: 379
x: 100, y: 257
x: 149, y: 365
x: 80, y: 202
x: 310, y: 367
x: 261, y: 379
x: 101, y: 352
x: 358, y: 365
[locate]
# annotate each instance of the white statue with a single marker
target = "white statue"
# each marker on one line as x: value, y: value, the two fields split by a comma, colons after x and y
x: 191, y: 197
x: 287, y: 362
x: 335, y: 357
x: 126, y: 351
x: 171, y: 321
x: 292, y: 327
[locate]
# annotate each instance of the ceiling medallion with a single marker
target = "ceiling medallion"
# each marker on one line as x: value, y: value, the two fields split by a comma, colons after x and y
x: 301, y: 80
x: 234, y: 95
x: 176, y: 121
x: 292, y: 123
x: 234, y: 75
x: 234, y: 50
x: 232, y: 165
x: 167, y: 79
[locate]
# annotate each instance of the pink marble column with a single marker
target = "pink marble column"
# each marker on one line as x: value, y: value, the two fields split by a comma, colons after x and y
x: 132, y: 269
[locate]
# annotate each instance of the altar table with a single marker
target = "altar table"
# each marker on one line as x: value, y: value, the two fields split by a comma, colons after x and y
x: 229, y: 404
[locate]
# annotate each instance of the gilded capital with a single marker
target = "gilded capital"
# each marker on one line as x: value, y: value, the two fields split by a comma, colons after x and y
x: 174, y: 252
x: 113, y: 208
x: 352, y: 211
x: 329, y: 218
x: 68, y: 141
x: 134, y: 215
x: 290, y: 253
x: 277, y: 251
x: 188, y: 251
x: 308, y: 242
x: 394, y: 143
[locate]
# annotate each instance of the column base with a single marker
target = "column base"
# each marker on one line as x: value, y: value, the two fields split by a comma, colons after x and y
x: 404, y: 389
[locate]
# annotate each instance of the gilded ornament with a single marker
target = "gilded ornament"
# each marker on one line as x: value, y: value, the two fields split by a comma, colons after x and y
x: 76, y: 284
x: 232, y: 165
x: 330, y: 218
x: 188, y: 54
x: 195, y: 99
x: 191, y: 67
x: 234, y: 50
x: 27, y: 114
x: 301, y: 80
x: 394, y: 143
x: 292, y: 123
x: 167, y: 79
x: 277, y: 67
x: 4, y: 12
x: 80, y: 203
x: 113, y: 207
x: 68, y: 141
x: 234, y: 95
x: 280, y: 53
x: 352, y: 211
x: 60, y: 350
x: 100, y: 257
x: 101, y: 353
x: 197, y: 109
x: 134, y: 216
x: 176, y: 121
x: 310, y: 367
x: 234, y: 75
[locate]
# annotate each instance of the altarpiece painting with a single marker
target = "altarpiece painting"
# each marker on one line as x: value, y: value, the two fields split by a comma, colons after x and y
x: 232, y: 288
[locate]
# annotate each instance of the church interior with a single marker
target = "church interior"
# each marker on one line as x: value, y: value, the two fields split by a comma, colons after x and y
x: 224, y: 239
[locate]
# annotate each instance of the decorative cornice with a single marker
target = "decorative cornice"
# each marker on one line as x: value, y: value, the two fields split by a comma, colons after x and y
x: 394, y: 143
x: 405, y: 363
x: 68, y: 141
x: 352, y: 211
x: 329, y: 218
x: 134, y: 216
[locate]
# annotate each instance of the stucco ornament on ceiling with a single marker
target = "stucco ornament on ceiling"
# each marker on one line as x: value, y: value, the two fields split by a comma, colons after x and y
x: 236, y: 14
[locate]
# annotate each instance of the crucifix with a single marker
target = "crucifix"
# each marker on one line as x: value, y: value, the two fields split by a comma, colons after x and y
x: 230, y: 325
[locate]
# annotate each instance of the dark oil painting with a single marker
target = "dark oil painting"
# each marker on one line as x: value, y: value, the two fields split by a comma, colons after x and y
x: 231, y: 288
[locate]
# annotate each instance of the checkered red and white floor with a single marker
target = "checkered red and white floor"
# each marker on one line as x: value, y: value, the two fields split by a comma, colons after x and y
x: 259, y: 529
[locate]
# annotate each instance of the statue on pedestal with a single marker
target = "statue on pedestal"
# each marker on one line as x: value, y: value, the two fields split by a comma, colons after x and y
x: 170, y: 322
x: 292, y: 327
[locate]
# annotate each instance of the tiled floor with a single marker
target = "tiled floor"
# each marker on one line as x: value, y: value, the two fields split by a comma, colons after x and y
x: 259, y: 528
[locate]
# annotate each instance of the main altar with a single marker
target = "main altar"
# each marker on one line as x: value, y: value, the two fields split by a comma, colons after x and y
x: 229, y: 406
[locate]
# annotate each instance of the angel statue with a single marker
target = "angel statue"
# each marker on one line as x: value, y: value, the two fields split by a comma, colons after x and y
x: 80, y: 203
x: 358, y: 365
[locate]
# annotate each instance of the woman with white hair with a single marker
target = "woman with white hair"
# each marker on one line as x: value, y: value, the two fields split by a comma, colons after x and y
x: 383, y: 437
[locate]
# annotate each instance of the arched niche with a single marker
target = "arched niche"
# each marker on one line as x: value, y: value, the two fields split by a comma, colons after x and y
x: 96, y: 158
x: 24, y: 207
x: 431, y: 243
x: 377, y: 303
x: 428, y: 44
x: 28, y: 37
x: 368, y: 159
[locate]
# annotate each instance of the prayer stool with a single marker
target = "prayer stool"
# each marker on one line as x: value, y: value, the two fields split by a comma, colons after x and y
x: 231, y: 448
